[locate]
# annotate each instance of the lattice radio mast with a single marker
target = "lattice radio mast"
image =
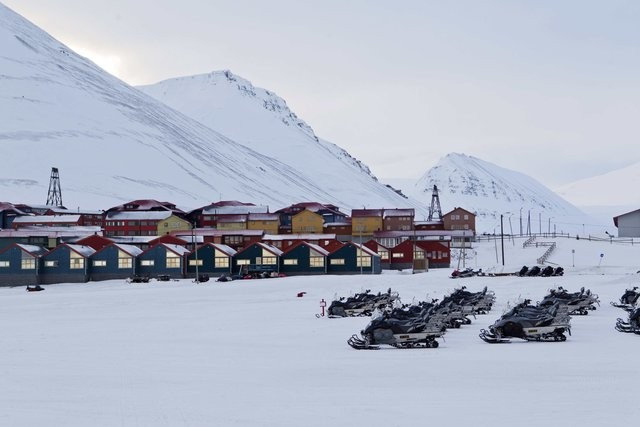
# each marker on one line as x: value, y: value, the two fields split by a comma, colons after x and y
x: 435, y: 205
x: 54, y: 196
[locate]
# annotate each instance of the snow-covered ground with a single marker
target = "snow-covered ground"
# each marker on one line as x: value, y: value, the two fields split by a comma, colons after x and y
x: 250, y: 353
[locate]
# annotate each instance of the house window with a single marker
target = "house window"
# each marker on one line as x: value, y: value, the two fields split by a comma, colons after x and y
x: 194, y: 262
x: 147, y: 262
x: 76, y: 263
x: 267, y: 260
x: 337, y: 261
x: 316, y: 261
x: 398, y: 255
x: 99, y: 263
x: 173, y: 262
x: 126, y: 262
x: 363, y: 261
x: 233, y: 240
x: 384, y: 254
x: 418, y: 255
x: 4, y: 263
x: 445, y: 255
x: 51, y: 263
x: 243, y: 262
x: 290, y: 262
x: 221, y: 262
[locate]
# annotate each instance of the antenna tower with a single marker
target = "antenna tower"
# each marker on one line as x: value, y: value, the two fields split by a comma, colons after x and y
x: 54, y: 196
x: 435, y: 205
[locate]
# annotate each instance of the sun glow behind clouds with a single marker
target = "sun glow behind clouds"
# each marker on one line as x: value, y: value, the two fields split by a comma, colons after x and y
x: 111, y: 63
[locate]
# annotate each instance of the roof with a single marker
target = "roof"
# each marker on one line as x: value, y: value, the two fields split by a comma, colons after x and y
x: 64, y: 211
x: 313, y: 207
x: 51, y: 219
x: 316, y: 248
x: 6, y: 206
x: 310, y: 236
x: 399, y: 212
x: 263, y: 217
x: 85, y: 251
x: 32, y: 249
x: 270, y: 248
x: 615, y: 218
x: 214, y: 232
x: 366, y: 213
x: 138, y: 215
x: 130, y: 249
x: 147, y: 205
x: 51, y: 232
x: 180, y: 250
x: 422, y: 233
x: 364, y: 249
x: 234, y: 210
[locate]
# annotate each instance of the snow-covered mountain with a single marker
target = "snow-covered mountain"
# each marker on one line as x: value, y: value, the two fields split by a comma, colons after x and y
x: 615, y: 188
x: 490, y: 191
x: 113, y: 143
x: 262, y: 121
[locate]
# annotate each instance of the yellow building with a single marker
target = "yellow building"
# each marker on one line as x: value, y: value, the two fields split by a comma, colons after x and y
x: 365, y: 221
x: 172, y: 223
x: 269, y: 222
x: 305, y: 222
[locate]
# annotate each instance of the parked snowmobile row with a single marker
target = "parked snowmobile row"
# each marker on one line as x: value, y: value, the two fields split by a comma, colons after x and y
x: 628, y: 300
x: 632, y: 324
x: 548, y: 271
x: 530, y: 323
x: 418, y: 325
x: 361, y: 304
x: 413, y: 327
x: 577, y: 302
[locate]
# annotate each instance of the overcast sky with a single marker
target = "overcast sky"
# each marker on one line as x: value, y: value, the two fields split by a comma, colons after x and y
x: 548, y: 88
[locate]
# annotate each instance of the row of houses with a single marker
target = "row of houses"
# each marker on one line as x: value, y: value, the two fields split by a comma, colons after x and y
x: 154, y: 218
x: 94, y: 258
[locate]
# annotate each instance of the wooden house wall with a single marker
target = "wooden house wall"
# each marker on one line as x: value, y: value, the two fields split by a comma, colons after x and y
x: 302, y: 254
x: 62, y: 272
x: 111, y: 256
x: 14, y: 274
x: 158, y: 254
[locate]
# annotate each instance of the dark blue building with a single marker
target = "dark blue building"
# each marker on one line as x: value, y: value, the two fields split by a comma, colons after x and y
x: 354, y: 258
x: 114, y: 261
x: 304, y: 258
x: 162, y: 259
x: 257, y: 258
x: 67, y: 264
x: 213, y: 259
x: 21, y: 264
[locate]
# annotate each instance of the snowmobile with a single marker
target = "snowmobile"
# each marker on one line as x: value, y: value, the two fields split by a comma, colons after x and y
x: 472, y: 302
x: 417, y: 327
x: 559, y: 271
x: 577, y: 302
x: 628, y: 300
x: 632, y: 324
x: 534, y: 271
x: 530, y: 323
x: 36, y: 288
x: 523, y: 271
x: 547, y: 271
x: 361, y: 304
x: 468, y: 272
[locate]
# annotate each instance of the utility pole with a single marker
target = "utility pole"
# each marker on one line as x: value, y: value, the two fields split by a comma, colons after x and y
x: 502, y: 239
x: 520, y: 222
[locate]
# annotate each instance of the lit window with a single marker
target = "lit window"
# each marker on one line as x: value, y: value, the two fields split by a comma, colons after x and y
x: 363, y: 261
x: 51, y: 263
x: 316, y: 261
x: 243, y: 262
x: 194, y: 262
x: 76, y: 263
x: 337, y: 261
x: 290, y: 262
x: 268, y: 260
x: 173, y: 262
x: 99, y: 263
x: 126, y: 262
x: 4, y: 263
x: 221, y: 262
x: 398, y: 255
x: 147, y: 262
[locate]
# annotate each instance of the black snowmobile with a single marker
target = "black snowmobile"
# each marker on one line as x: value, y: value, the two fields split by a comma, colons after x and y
x: 413, y: 327
x: 632, y: 324
x: 361, y: 304
x: 530, y: 323
x: 628, y: 300
x: 577, y: 302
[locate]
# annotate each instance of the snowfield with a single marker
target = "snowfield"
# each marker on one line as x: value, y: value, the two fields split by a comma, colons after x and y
x: 251, y: 353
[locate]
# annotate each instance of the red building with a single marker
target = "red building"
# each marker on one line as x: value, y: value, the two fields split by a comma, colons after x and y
x: 437, y: 254
x: 134, y: 223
